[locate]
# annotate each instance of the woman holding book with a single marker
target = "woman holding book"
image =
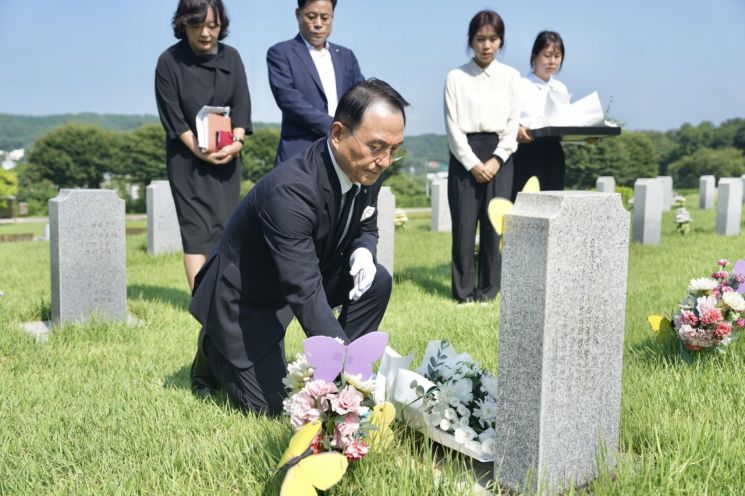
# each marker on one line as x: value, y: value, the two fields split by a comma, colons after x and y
x: 198, y: 71
x: 543, y: 157
x: 482, y: 108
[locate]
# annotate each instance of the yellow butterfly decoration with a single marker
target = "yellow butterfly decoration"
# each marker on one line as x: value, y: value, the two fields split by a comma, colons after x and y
x: 306, y: 473
x: 658, y: 323
x: 381, y: 417
x: 499, y: 207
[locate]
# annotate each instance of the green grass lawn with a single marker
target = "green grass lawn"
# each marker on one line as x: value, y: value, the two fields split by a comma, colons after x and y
x: 101, y: 408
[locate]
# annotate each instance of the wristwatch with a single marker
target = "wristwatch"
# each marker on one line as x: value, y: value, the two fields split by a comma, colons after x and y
x: 238, y: 139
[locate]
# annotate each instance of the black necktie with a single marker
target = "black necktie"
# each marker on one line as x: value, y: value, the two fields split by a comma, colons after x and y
x: 344, y: 216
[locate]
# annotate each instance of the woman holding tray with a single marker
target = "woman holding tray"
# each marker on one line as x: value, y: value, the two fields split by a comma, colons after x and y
x: 198, y: 71
x: 541, y: 157
x: 482, y: 108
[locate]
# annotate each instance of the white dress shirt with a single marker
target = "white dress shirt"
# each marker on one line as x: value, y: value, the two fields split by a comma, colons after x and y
x: 344, y: 184
x: 482, y: 100
x: 534, y: 93
x: 325, y: 67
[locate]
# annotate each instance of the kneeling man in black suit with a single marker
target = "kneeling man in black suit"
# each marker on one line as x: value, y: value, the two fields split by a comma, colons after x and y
x: 302, y: 242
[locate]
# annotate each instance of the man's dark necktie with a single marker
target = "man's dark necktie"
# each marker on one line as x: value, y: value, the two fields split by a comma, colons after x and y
x: 345, y: 210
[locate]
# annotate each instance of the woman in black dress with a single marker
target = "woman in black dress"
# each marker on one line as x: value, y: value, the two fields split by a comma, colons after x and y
x: 198, y: 71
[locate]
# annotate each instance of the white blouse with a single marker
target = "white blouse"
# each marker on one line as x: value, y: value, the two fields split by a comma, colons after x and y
x: 482, y: 100
x: 534, y: 92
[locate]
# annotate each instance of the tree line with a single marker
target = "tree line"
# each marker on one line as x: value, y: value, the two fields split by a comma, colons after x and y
x: 89, y: 156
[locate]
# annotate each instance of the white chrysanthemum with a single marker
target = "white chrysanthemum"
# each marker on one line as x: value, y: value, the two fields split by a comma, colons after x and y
x: 445, y: 425
x: 449, y: 414
x: 682, y: 216
x: 445, y: 394
x: 463, y: 410
x: 486, y: 411
x: 464, y: 390
x: 463, y: 434
x: 734, y: 300
x: 489, y: 447
x: 475, y: 446
x: 489, y: 385
x: 299, y: 373
x: 464, y: 421
x: 702, y: 285
x: 365, y: 387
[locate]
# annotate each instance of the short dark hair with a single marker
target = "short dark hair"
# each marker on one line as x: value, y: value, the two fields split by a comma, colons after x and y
x: 486, y: 18
x: 302, y: 3
x: 544, y: 39
x: 361, y: 96
x: 194, y: 12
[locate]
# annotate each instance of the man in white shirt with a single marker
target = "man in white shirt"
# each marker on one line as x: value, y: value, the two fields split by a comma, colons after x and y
x: 308, y: 75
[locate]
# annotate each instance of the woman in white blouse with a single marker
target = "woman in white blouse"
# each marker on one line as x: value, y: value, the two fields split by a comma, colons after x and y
x: 482, y: 108
x: 542, y: 157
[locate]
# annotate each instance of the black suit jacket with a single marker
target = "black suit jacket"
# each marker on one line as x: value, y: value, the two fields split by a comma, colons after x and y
x: 275, y: 255
x: 299, y: 93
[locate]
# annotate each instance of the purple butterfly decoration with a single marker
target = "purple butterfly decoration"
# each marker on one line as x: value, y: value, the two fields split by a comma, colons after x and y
x: 739, y: 268
x: 329, y: 358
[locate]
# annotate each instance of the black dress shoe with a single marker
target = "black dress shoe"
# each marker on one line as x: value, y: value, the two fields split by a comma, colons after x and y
x: 203, y: 381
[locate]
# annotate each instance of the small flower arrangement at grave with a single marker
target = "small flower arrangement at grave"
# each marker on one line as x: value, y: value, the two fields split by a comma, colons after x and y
x: 459, y: 399
x: 399, y: 218
x: 683, y: 217
x: 331, y: 403
x: 710, y: 316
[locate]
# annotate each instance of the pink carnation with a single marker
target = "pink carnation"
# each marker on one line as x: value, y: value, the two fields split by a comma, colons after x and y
x: 740, y: 322
x: 302, y: 409
x: 722, y: 330
x: 723, y: 262
x: 349, y: 400
x: 722, y: 274
x: 322, y: 392
x: 710, y: 316
x: 688, y: 317
x: 344, y: 433
x: 356, y: 451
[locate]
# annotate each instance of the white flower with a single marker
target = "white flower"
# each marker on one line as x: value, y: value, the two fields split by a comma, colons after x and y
x: 464, y: 390
x: 446, y: 394
x: 489, y: 385
x: 682, y: 216
x: 734, y: 300
x: 475, y: 446
x: 435, y: 418
x: 364, y: 387
x: 463, y: 434
x: 445, y: 425
x: 702, y: 285
x: 486, y: 411
x: 449, y: 414
x: 463, y: 411
x: 299, y: 373
x: 464, y: 421
x: 489, y: 433
x: 489, y: 446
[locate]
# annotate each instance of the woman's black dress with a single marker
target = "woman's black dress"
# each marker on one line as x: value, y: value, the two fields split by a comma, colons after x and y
x: 205, y: 195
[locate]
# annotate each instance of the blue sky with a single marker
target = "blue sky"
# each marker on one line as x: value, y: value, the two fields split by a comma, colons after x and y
x: 663, y: 62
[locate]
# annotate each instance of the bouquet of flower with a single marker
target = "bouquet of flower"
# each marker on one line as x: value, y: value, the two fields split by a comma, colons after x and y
x: 711, y: 314
x: 323, y: 386
x: 399, y: 218
x: 683, y: 217
x: 458, y: 398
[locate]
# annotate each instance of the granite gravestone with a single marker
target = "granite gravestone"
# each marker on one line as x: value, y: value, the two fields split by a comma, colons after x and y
x: 729, y: 206
x: 561, y: 333
x: 88, y: 257
x: 648, y: 199
x: 706, y: 192
x: 163, y: 232
x: 440, y: 207
x: 666, y: 183
x: 386, y: 227
x: 605, y: 184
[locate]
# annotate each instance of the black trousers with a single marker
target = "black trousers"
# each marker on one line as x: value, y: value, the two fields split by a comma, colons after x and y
x: 543, y: 158
x: 259, y: 388
x: 469, y: 203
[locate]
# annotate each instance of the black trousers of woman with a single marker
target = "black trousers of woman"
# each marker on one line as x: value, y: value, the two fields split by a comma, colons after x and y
x: 543, y: 158
x: 469, y: 203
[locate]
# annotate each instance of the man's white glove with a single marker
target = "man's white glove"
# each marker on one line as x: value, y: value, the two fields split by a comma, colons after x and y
x: 363, y: 271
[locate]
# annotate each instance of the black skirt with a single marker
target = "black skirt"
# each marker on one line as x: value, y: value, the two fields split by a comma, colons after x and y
x: 205, y: 196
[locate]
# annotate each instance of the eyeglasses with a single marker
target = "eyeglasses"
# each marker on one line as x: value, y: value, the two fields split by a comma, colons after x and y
x: 394, y: 153
x: 312, y: 16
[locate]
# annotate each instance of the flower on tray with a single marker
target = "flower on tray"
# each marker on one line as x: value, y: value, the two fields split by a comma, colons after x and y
x: 712, y: 313
x: 462, y: 401
x: 683, y: 217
